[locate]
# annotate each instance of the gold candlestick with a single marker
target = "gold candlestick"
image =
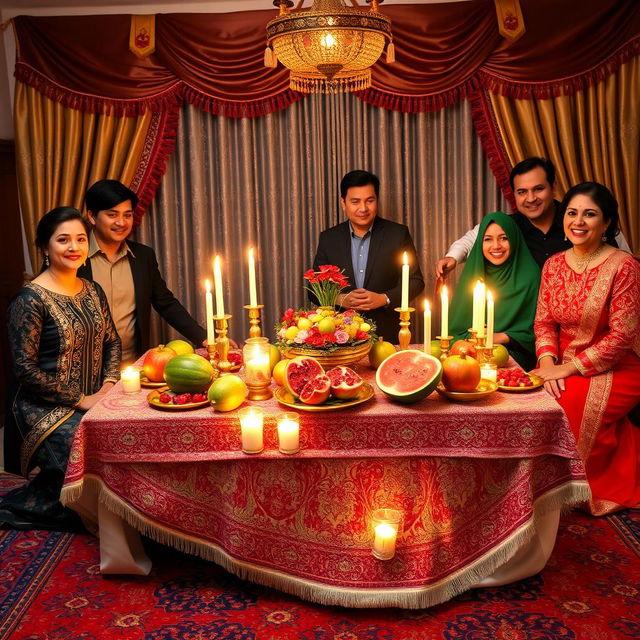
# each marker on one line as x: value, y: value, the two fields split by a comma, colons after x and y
x: 213, y: 358
x: 254, y: 320
x: 473, y: 336
x: 222, y: 343
x: 404, y: 335
x: 445, y: 343
x: 484, y: 352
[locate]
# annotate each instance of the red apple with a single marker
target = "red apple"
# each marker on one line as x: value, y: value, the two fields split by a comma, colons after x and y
x: 155, y: 361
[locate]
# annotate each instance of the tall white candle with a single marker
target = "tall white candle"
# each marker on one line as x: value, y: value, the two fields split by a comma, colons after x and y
x: 130, y: 379
x: 208, y: 299
x: 251, y: 426
x: 444, y: 304
x: 490, y: 319
x: 404, y: 304
x: 427, y: 327
x: 477, y: 322
x: 217, y: 278
x: 384, y: 544
x: 253, y: 297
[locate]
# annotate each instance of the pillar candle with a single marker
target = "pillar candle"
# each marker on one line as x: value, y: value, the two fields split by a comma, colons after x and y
x: 257, y: 368
x: 444, y: 303
x: 384, y: 544
x: 489, y: 372
x: 253, y: 297
x: 404, y: 304
x: 490, y: 319
x: 288, y: 433
x: 208, y: 298
x: 130, y: 379
x: 217, y: 278
x: 427, y: 327
x: 251, y: 426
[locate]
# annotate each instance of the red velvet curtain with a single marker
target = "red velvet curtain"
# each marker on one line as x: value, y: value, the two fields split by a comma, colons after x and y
x: 215, y: 60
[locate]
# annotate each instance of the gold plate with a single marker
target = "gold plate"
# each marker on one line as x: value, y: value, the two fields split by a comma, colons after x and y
x: 150, y: 385
x: 285, y: 398
x: 537, y: 383
x: 154, y: 401
x: 484, y: 388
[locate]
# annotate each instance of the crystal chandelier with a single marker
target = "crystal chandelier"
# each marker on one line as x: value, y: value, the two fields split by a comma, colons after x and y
x: 329, y: 47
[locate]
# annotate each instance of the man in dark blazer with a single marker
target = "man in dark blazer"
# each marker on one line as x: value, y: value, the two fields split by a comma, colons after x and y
x: 128, y: 271
x: 369, y: 249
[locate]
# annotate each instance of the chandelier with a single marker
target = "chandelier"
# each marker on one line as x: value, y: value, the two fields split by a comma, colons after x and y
x: 329, y: 47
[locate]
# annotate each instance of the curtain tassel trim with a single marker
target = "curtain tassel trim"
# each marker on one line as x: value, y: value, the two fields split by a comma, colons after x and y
x: 487, y: 130
x: 565, y: 86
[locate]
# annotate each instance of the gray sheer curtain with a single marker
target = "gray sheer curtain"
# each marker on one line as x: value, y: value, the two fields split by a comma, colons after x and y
x: 273, y: 183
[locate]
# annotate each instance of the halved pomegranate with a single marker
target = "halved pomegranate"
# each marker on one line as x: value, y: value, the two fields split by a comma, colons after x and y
x: 298, y: 372
x: 345, y: 383
x: 317, y: 390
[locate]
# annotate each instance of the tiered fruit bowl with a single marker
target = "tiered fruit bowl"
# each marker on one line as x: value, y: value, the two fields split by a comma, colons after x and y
x: 340, y: 356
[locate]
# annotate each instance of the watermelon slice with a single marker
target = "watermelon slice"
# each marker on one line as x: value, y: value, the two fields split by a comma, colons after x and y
x: 409, y: 376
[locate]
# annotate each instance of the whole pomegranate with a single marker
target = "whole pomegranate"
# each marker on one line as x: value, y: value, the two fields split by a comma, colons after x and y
x: 155, y: 361
x: 469, y: 348
x: 460, y: 372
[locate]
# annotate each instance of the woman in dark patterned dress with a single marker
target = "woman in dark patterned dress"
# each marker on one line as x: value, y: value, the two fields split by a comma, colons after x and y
x: 66, y: 355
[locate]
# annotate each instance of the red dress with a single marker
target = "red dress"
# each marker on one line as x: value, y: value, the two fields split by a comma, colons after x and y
x: 593, y: 320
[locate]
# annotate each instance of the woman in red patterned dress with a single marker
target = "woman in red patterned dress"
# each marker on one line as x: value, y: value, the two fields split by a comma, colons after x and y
x: 587, y: 331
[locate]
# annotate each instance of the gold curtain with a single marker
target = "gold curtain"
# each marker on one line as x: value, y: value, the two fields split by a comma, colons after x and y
x: 273, y: 183
x: 593, y: 134
x: 60, y: 152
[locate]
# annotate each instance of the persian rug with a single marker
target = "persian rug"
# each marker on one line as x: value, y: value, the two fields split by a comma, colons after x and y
x: 51, y: 589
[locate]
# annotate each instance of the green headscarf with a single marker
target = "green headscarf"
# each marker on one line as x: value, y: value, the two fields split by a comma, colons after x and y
x: 514, y: 285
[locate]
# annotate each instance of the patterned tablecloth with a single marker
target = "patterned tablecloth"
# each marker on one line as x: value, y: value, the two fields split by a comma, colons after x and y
x: 471, y: 479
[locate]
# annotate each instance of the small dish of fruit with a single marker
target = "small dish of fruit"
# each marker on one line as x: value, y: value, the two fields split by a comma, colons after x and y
x: 166, y: 399
x: 516, y: 379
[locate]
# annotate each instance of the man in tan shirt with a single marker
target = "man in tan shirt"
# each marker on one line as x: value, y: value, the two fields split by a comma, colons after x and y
x: 128, y: 271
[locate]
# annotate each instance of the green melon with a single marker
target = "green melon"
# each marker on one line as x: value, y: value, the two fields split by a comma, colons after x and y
x: 190, y: 373
x: 409, y: 376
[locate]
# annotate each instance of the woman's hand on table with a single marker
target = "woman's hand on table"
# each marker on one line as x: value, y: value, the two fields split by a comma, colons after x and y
x: 554, y: 375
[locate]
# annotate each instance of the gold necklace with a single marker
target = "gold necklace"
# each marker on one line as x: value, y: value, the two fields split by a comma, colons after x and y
x: 583, y: 263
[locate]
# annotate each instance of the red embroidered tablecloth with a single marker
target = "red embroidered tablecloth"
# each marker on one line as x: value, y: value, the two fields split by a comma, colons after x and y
x: 469, y: 478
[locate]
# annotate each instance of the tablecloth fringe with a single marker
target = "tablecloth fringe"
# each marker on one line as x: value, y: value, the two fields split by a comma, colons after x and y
x: 563, y: 497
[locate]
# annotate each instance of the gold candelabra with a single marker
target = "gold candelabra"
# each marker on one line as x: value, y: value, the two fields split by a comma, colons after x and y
x: 254, y: 319
x: 404, y: 335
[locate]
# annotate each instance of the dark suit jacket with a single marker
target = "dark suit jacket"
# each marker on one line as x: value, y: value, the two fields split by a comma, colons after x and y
x: 384, y: 267
x: 151, y: 290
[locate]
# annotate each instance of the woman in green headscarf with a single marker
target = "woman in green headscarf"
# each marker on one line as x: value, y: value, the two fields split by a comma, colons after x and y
x: 501, y: 258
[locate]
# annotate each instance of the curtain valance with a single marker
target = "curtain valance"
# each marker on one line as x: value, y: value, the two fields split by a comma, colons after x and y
x: 215, y: 61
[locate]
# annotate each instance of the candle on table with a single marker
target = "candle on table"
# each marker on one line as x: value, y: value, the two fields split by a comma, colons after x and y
x: 444, y: 303
x: 384, y: 544
x: 251, y: 426
x: 404, y: 304
x: 208, y: 299
x: 477, y: 322
x: 130, y: 379
x: 490, y: 319
x: 288, y: 433
x: 427, y: 327
x: 489, y: 372
x: 257, y: 367
x: 253, y: 297
x: 217, y: 278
